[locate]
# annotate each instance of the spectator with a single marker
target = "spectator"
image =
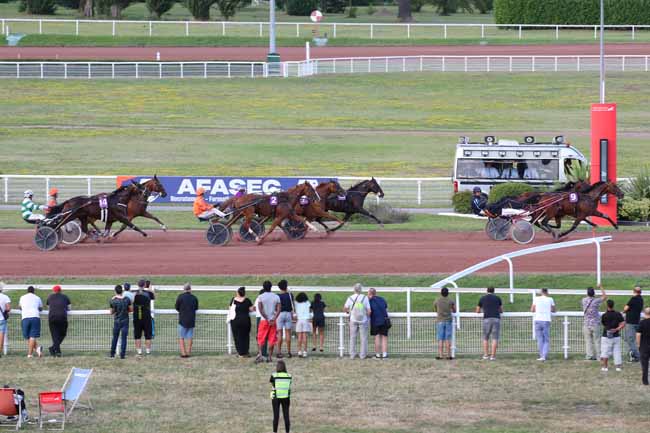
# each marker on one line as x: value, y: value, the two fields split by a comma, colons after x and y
x: 303, y: 325
x: 127, y: 293
x: 643, y: 342
x: 241, y: 324
x: 492, y: 307
x: 269, y: 306
x: 358, y: 307
x: 612, y: 322
x: 285, y: 319
x: 318, y: 321
x: 19, y: 399
x: 57, y: 315
x: 186, y: 305
x: 142, y: 322
x: 151, y: 291
x: 632, y: 312
x: 120, y: 309
x: 30, y: 310
x: 379, y: 323
x: 281, y: 396
x: 445, y: 308
x: 591, y: 322
x: 5, y: 308
x: 258, y: 317
x: 543, y: 307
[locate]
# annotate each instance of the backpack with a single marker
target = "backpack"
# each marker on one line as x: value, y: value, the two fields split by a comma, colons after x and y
x: 358, y: 311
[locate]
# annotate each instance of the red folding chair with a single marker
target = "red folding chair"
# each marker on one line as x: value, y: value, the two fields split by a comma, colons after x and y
x: 51, y: 404
x: 8, y: 411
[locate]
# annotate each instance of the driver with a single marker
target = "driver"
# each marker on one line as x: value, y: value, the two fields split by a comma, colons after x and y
x: 203, y: 210
x: 53, y: 201
x: 479, y: 201
x: 27, y: 207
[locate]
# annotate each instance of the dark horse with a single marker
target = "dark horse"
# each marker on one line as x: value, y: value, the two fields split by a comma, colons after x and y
x: 137, y: 206
x: 90, y: 208
x: 352, y: 201
x: 316, y: 210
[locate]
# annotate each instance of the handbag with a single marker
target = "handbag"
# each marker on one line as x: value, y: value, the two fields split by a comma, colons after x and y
x: 388, y: 323
x: 231, y: 311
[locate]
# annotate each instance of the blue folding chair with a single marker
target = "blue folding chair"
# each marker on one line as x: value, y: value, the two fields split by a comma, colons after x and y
x: 74, y: 388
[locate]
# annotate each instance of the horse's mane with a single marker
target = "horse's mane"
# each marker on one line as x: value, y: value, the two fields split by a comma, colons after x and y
x: 594, y: 186
x: 358, y: 184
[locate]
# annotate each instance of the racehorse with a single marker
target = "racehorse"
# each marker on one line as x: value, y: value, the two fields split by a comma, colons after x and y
x: 137, y: 206
x: 352, y: 201
x: 112, y: 206
x: 279, y: 206
x: 316, y: 210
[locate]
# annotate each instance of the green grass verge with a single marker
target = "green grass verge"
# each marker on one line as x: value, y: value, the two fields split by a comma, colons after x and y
x: 383, y: 124
x: 420, y: 302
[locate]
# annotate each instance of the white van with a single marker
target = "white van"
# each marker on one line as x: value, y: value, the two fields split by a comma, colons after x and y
x: 490, y: 162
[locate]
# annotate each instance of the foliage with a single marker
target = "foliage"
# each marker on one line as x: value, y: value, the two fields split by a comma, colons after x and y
x: 280, y: 5
x: 112, y: 8
x: 200, y: 9
x: 416, y: 5
x: 360, y: 3
x: 385, y: 212
x: 461, y: 202
x: 70, y: 4
x: 635, y: 209
x: 38, y: 7
x: 638, y: 187
x: 483, y: 6
x: 371, y: 10
x: 621, y: 12
x: 228, y: 8
x: 352, y: 12
x: 448, y: 7
x: 578, y: 171
x: 301, y: 7
x: 158, y: 8
x: 333, y: 6
x: 509, y: 189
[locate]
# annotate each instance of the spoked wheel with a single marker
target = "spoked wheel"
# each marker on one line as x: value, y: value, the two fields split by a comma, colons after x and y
x: 247, y: 236
x: 522, y: 232
x: 294, y: 230
x: 498, y: 228
x: 71, y: 233
x: 219, y: 234
x: 46, y: 238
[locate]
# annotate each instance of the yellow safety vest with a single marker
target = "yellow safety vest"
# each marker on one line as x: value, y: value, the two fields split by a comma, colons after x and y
x: 282, y: 385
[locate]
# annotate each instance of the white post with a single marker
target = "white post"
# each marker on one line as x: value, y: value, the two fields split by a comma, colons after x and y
x: 372, y: 31
x: 113, y: 28
x: 205, y: 69
x: 520, y: 32
x: 341, y: 337
x: 5, y: 346
x: 453, y: 334
x: 510, y: 63
x: 223, y: 28
x: 17, y: 67
x: 533, y: 63
x: 555, y: 63
x: 419, y: 181
x: 6, y: 189
x: 457, y: 309
x: 89, y: 71
x: 159, y: 70
x: 150, y: 29
x: 598, y: 281
x: 182, y: 71
x: 408, y: 313
x: 421, y: 64
x: 443, y: 63
x: 532, y: 317
x: 187, y: 28
x: 76, y: 27
x: 578, y: 63
x: 41, y: 79
x: 65, y: 71
x: 488, y: 63
x: 403, y: 64
x: 482, y: 31
x: 566, y: 336
x: 252, y: 70
x: 89, y: 183
x: 595, y: 32
x: 445, y: 31
x: 229, y: 76
x: 511, y: 278
x: 351, y: 65
x: 260, y: 30
x: 297, y: 30
x: 557, y: 32
x: 40, y: 27
x: 408, y: 31
x: 334, y: 31
x: 137, y: 71
x: 229, y: 344
x: 633, y: 35
x: 112, y: 74
x: 465, y: 58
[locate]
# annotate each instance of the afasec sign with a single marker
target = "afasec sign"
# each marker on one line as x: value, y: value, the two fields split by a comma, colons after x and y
x: 182, y: 189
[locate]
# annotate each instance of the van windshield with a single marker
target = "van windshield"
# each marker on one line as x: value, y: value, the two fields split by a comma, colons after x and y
x: 518, y: 169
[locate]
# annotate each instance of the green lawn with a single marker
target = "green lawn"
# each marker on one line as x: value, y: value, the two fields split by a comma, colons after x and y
x: 382, y: 124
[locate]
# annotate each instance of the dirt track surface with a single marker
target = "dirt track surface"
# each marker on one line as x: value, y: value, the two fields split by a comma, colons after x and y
x: 298, y: 53
x: 188, y: 253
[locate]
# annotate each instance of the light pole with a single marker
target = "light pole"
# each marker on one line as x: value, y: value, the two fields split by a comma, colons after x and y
x: 273, y: 56
x: 602, y: 51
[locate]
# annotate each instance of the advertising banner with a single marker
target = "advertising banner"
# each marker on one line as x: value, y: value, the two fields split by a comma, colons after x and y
x: 603, y: 154
x: 182, y: 189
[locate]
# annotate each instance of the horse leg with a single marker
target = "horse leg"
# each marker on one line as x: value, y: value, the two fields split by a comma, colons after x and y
x: 121, y: 229
x: 362, y: 211
x: 125, y: 220
x: 575, y: 225
x: 146, y: 214
x: 345, y: 219
x: 605, y: 216
x: 276, y: 222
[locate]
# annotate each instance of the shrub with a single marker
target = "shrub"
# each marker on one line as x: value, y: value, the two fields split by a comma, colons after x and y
x: 352, y: 12
x: 200, y: 9
x: 158, y: 8
x: 462, y: 202
x: 638, y: 187
x: 416, y: 5
x: 510, y: 189
x: 333, y: 6
x: 37, y: 7
x: 385, y: 212
x: 621, y: 12
x: 301, y: 7
x: 635, y: 210
x: 70, y: 4
x: 371, y: 10
x: 578, y: 172
x: 361, y: 3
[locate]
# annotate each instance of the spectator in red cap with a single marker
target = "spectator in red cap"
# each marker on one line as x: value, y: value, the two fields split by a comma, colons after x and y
x: 59, y: 305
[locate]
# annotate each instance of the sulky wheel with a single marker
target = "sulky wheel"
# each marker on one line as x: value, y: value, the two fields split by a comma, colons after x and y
x: 247, y: 236
x: 522, y: 232
x: 46, y: 238
x: 498, y: 228
x: 219, y: 234
x: 294, y: 230
x: 70, y: 233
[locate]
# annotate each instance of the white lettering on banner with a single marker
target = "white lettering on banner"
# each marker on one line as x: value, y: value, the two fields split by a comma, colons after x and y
x: 254, y: 186
x: 186, y: 187
x: 219, y: 187
x: 271, y: 186
x: 313, y: 182
x: 203, y: 183
x: 236, y: 185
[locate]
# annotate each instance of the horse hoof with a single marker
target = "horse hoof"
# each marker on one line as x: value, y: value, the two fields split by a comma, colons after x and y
x: 164, y: 228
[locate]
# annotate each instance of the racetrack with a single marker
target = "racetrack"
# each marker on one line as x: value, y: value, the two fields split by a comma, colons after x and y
x: 298, y: 53
x: 188, y: 253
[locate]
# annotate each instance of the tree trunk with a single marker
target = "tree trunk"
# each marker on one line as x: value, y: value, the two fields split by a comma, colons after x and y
x: 115, y: 11
x: 87, y: 7
x: 404, y: 11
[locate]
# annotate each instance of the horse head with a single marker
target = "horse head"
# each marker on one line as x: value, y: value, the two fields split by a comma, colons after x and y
x: 373, y: 186
x: 154, y: 185
x: 612, y: 188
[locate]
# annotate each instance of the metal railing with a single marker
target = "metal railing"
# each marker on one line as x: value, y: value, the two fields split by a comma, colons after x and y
x: 260, y: 29
x: 91, y: 331
x: 306, y: 68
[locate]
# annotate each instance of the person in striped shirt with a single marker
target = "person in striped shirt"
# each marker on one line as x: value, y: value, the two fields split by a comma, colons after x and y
x: 27, y: 208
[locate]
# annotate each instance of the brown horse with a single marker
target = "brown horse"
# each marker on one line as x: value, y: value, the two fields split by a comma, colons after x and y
x: 279, y: 207
x: 137, y: 206
x: 316, y: 210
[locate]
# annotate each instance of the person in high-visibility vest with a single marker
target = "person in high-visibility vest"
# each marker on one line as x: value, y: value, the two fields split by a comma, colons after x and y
x: 281, y: 396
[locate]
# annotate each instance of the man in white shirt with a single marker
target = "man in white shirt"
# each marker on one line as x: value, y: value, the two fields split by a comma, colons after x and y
x: 358, y: 307
x: 30, y: 310
x: 5, y: 308
x: 543, y: 307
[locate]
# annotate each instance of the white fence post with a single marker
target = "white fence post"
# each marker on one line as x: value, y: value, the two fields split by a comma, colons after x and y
x: 458, y: 309
x: 633, y: 35
x: 408, y: 31
x: 334, y: 31
x: 42, y: 78
x: 182, y: 71
x: 403, y: 64
x: 419, y: 181
x: 76, y: 27
x: 223, y: 28
x: 113, y: 28
x: 421, y: 63
x: 297, y: 30
x: 557, y: 32
x: 408, y: 313
x: 595, y: 32
x: 372, y: 31
x: 89, y: 183
x: 578, y: 63
x: 205, y: 69
x: 40, y: 27
x: 229, y: 337
x: 566, y: 336
x: 597, y: 263
x: 137, y: 70
x: 445, y: 31
x: 6, y: 189
x: 341, y: 337
x: 555, y: 58
x: 510, y: 64
x: 113, y: 70
x: 187, y: 28
x: 260, y: 30
x: 150, y: 29
x: 519, y: 31
x: 482, y: 31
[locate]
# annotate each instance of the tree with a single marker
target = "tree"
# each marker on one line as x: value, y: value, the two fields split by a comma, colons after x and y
x: 448, y: 7
x: 112, y: 8
x: 228, y: 8
x: 37, y: 7
x: 158, y: 8
x: 404, y: 10
x: 200, y: 9
x: 87, y: 8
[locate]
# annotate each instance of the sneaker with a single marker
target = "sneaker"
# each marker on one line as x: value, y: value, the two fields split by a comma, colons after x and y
x: 541, y: 359
x: 29, y: 356
x: 605, y: 369
x: 619, y: 369
x: 492, y: 358
x: 313, y: 349
x: 485, y: 357
x: 289, y: 355
x: 304, y: 354
x: 139, y: 352
x: 377, y: 356
x: 279, y: 356
x: 148, y: 351
x: 51, y: 350
x: 39, y: 351
x: 269, y: 359
x: 385, y: 355
x: 259, y: 359
x: 321, y: 351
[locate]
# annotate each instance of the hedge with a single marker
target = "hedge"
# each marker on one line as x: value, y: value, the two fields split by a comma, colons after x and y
x: 510, y: 189
x: 462, y: 202
x: 585, y: 12
x: 301, y: 7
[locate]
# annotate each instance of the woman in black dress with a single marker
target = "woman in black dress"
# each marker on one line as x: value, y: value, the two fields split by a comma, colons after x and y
x: 241, y: 324
x: 318, y: 325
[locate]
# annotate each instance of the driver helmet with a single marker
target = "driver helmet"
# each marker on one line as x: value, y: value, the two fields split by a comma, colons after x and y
x: 476, y: 189
x: 29, y: 193
x: 200, y: 191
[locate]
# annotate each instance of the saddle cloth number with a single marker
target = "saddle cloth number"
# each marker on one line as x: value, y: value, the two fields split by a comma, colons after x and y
x: 573, y: 197
x: 103, y: 202
x: 273, y: 200
x: 340, y: 198
x: 304, y: 200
